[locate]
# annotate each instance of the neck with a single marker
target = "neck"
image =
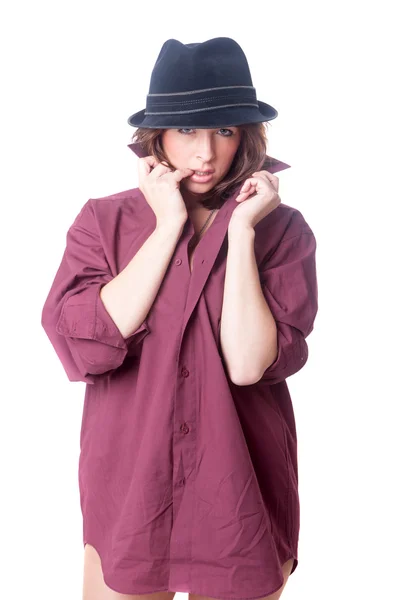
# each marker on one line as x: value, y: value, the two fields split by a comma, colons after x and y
x: 192, y: 201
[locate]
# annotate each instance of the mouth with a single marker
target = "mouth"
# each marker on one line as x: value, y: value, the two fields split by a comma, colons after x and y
x: 202, y: 176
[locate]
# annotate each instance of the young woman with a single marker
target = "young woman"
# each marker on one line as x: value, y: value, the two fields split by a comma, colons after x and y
x: 184, y: 305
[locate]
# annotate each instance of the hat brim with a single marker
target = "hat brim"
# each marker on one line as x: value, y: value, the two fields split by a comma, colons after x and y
x: 224, y: 117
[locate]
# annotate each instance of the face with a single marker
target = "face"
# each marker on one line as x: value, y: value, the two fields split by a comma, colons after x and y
x: 201, y: 150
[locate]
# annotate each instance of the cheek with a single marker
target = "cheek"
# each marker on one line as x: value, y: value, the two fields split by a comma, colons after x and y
x: 179, y: 152
x: 228, y: 156
x: 172, y: 145
x: 232, y: 148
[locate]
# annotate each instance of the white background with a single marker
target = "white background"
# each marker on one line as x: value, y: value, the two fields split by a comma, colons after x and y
x: 71, y: 74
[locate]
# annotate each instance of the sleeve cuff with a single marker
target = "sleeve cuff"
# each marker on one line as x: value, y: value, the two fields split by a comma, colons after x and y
x: 292, y: 355
x: 95, y: 341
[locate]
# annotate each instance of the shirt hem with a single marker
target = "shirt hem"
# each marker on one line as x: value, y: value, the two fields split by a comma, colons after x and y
x: 110, y: 583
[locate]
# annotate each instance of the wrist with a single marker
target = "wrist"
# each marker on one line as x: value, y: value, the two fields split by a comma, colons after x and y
x: 237, y: 225
x: 171, y: 225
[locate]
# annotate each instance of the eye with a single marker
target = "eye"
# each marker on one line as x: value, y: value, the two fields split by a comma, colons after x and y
x: 230, y: 132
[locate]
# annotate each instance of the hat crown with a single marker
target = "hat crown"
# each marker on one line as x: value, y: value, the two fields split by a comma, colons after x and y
x: 201, y: 85
x: 215, y: 63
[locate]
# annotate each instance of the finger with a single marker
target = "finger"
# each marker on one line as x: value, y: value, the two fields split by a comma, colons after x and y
x: 146, y: 163
x: 247, y: 192
x: 267, y: 173
x: 272, y: 179
x: 252, y: 181
x: 259, y: 180
x: 160, y: 169
x: 180, y: 174
x: 246, y: 184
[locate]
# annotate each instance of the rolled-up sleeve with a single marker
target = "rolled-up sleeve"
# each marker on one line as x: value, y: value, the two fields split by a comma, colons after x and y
x: 74, y: 317
x: 289, y: 283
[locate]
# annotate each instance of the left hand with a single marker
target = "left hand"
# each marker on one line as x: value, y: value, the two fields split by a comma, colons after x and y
x: 258, y: 197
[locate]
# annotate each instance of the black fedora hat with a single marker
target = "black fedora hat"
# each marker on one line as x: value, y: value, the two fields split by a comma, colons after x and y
x: 201, y: 85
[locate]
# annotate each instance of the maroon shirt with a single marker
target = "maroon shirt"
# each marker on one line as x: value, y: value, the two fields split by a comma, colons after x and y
x: 188, y: 482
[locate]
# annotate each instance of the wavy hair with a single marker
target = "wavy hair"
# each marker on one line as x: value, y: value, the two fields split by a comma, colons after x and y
x: 250, y: 157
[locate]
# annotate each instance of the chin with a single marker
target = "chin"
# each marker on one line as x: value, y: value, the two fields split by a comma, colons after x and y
x: 208, y: 186
x: 194, y: 184
x: 198, y: 187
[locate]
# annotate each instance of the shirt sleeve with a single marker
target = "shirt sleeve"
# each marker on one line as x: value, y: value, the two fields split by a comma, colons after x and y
x: 83, y: 334
x: 289, y: 283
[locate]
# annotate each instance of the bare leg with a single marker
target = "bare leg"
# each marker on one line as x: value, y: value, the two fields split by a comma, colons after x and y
x: 94, y: 587
x: 286, y: 568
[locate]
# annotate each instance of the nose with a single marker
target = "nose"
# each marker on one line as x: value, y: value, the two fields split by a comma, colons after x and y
x: 205, y: 149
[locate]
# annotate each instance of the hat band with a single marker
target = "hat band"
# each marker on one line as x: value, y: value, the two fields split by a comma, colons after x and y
x: 232, y: 96
x: 195, y: 110
x: 225, y: 87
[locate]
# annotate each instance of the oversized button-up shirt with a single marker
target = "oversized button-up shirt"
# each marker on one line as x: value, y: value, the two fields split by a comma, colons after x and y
x: 188, y: 482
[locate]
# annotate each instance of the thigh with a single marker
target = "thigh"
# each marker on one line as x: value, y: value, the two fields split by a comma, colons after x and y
x: 286, y: 568
x: 94, y: 587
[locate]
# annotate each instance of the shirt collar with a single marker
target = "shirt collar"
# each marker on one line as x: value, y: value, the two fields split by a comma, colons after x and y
x: 271, y: 164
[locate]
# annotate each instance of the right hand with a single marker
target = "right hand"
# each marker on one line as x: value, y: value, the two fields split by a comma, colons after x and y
x: 160, y: 187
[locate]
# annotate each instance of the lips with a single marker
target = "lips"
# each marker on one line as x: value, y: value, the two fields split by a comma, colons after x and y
x: 201, y: 178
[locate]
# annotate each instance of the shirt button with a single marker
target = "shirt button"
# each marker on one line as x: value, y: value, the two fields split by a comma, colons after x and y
x: 185, y: 372
x: 178, y: 261
x: 182, y: 481
x: 184, y: 428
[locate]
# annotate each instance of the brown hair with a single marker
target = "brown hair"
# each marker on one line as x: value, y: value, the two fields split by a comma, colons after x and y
x: 249, y: 157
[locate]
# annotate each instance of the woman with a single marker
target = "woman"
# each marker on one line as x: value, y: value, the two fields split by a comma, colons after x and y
x: 184, y: 305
